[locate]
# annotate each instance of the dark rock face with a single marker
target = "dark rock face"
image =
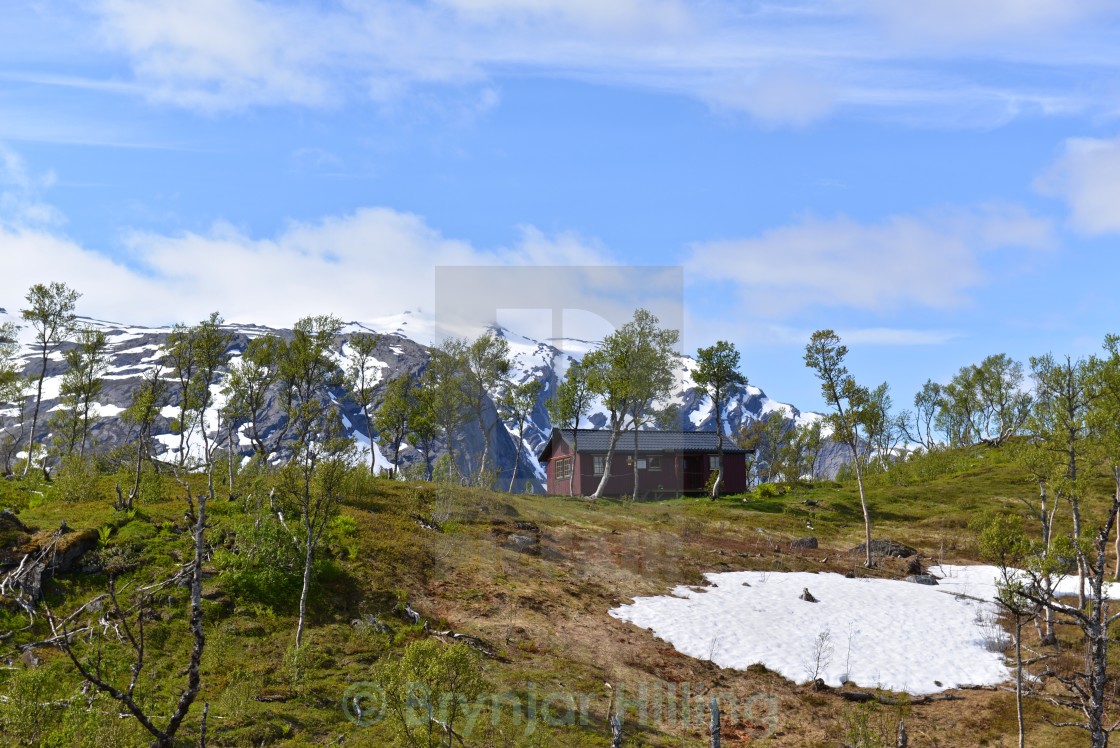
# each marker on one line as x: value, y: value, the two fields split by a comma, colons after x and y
x: 803, y: 544
x: 886, y: 548
x: 133, y: 352
x: 922, y: 579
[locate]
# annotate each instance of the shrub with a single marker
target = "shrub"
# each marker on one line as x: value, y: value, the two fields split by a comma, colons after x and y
x: 264, y: 566
x: 429, y: 691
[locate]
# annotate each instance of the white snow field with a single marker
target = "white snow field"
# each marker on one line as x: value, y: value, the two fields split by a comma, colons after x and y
x: 881, y: 633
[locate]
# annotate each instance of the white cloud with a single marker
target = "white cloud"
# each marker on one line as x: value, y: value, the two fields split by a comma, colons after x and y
x: 932, y: 261
x: 368, y: 264
x: 219, y: 54
x: 779, y: 62
x: 981, y: 20
x: 615, y: 15
x: 21, y: 193
x: 778, y: 98
x: 1087, y: 176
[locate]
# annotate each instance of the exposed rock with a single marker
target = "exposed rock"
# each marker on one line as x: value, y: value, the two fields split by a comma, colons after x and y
x: 803, y: 544
x: 886, y: 548
x: 523, y: 543
x: 922, y: 579
x: 71, y: 547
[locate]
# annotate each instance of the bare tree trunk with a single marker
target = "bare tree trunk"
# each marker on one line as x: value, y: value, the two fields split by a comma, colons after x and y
x: 575, y: 461
x: 634, y: 497
x: 229, y: 453
x: 485, y: 448
x: 1019, y: 676
x: 517, y: 460
x: 719, y: 446
x: 863, y: 504
x: 307, y: 559
x: 372, y: 446
x: 1116, y: 542
x: 615, y: 434
x: 35, y: 413
x: 713, y: 727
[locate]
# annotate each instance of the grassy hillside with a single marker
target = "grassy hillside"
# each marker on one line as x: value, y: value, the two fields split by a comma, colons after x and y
x: 531, y: 578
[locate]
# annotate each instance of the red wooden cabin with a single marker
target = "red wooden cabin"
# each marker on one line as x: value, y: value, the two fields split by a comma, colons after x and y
x: 670, y: 463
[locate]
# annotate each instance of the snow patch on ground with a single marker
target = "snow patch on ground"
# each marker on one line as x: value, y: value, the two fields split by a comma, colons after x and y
x: 980, y: 582
x: 876, y: 632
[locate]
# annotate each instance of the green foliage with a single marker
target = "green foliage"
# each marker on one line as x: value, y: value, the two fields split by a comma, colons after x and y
x: 342, y: 535
x: 392, y: 416
x: 430, y: 691
x: 77, y: 479
x: 1003, y: 542
x: 50, y: 313
x: 264, y: 566
x: 769, y: 490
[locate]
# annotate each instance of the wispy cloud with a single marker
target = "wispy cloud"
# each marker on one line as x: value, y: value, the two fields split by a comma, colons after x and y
x: 22, y: 191
x: 932, y: 261
x: 781, y: 63
x: 1087, y: 177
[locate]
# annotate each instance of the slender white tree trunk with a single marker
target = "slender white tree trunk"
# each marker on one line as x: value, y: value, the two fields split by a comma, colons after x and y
x: 307, y: 559
x: 863, y: 505
x: 35, y: 413
x: 615, y: 434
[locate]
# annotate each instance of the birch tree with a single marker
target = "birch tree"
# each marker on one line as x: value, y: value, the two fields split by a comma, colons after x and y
x: 445, y: 402
x: 570, y: 404
x: 179, y: 358
x: 50, y: 312
x: 251, y: 383
x: 717, y: 372
x: 147, y: 399
x: 615, y: 375
x: 1059, y: 423
x: 320, y: 452
x: 919, y: 425
x: 422, y: 427
x: 517, y: 404
x: 393, y: 414
x: 363, y: 374
x: 825, y: 355
x: 485, y: 366
x: 13, y: 387
x: 86, y: 363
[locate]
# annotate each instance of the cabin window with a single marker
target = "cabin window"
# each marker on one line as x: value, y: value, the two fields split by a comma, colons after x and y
x: 713, y: 462
x: 598, y: 464
x: 653, y: 462
x: 563, y: 468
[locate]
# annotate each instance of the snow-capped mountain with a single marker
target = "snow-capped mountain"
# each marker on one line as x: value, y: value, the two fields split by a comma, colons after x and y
x: 403, y: 348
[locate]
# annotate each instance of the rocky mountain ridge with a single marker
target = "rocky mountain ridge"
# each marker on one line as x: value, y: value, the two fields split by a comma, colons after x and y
x: 403, y: 348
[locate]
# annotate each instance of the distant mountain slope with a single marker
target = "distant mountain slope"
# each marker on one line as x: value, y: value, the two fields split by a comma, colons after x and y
x: 403, y: 348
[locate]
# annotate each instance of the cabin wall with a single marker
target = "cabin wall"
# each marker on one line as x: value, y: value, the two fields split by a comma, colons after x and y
x: 677, y: 470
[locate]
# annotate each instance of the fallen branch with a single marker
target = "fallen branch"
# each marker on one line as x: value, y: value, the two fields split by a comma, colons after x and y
x: 863, y: 697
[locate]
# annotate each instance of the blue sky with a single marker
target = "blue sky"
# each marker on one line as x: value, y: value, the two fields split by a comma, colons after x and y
x: 936, y: 182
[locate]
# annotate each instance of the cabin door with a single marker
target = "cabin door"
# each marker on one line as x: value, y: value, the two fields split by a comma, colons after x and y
x: 693, y: 473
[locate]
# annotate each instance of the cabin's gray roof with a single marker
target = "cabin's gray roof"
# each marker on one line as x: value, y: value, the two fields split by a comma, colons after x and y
x: 599, y: 440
